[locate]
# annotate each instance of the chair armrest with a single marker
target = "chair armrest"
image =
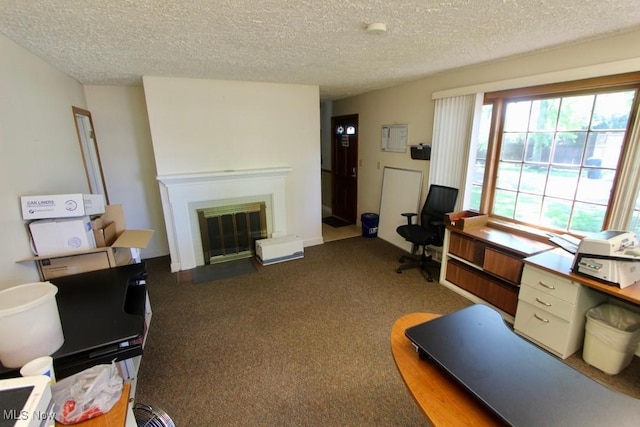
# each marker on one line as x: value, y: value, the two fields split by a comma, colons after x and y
x: 409, y: 215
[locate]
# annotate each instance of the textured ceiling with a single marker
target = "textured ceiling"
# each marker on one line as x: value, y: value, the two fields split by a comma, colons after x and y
x: 317, y: 42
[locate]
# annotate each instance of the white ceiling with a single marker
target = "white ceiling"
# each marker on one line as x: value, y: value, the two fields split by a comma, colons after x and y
x: 317, y: 42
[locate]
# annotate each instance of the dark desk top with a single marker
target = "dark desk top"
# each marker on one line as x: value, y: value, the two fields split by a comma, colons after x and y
x: 100, y: 312
x: 443, y: 401
x: 522, y: 384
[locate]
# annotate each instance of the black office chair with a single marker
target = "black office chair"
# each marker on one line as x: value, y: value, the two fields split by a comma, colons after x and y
x: 430, y: 231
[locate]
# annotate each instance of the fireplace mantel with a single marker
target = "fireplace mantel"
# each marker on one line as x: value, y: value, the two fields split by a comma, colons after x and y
x: 179, y: 192
x: 200, y: 177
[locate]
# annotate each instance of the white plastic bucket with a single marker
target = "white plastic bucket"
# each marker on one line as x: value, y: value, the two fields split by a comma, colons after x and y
x: 29, y: 323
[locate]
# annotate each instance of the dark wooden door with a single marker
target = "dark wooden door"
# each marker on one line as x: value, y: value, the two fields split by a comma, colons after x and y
x: 344, y: 167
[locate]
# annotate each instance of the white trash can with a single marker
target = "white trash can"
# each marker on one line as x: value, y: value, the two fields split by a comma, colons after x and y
x: 611, y: 337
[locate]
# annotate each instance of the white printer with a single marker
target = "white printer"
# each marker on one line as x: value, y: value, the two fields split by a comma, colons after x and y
x: 611, y: 257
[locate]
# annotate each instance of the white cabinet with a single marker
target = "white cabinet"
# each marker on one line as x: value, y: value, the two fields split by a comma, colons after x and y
x: 551, y: 310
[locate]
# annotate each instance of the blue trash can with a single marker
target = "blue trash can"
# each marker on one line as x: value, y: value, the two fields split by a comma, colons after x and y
x: 369, y: 224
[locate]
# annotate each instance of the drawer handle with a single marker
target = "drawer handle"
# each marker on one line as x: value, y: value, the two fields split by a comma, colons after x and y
x: 546, y: 286
x: 542, y: 319
x: 547, y: 304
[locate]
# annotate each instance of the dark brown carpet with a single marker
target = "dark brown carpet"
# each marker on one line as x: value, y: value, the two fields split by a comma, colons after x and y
x: 299, y: 343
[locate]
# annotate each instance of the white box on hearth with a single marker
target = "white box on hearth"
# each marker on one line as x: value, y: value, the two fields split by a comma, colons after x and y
x: 279, y: 249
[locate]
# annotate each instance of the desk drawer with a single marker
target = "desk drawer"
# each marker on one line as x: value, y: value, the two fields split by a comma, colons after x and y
x: 501, y: 295
x: 503, y: 265
x: 546, y: 302
x: 551, y: 284
x: 466, y: 248
x: 543, y: 327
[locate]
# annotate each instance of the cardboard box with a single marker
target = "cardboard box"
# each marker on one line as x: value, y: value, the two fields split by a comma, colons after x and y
x: 52, y: 236
x: 61, y: 205
x: 466, y: 220
x: 94, y: 204
x: 50, y: 268
x: 99, y: 259
x: 104, y: 234
x: 123, y: 250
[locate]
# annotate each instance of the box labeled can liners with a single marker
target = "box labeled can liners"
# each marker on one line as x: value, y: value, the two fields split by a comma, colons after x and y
x: 61, y: 205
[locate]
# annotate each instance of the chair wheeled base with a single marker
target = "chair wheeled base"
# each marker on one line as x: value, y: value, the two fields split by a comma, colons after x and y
x: 411, y: 261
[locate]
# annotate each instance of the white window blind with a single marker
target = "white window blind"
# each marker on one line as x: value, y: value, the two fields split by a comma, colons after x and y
x: 453, y: 125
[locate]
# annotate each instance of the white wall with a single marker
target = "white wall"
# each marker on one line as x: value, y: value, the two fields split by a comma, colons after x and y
x: 412, y: 103
x: 211, y: 125
x: 401, y: 105
x: 124, y: 139
x: 39, y: 149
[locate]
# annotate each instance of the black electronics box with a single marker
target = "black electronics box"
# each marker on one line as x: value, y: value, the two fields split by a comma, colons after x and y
x: 421, y: 152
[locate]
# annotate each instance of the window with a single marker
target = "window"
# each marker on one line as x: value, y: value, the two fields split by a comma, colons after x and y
x: 549, y: 156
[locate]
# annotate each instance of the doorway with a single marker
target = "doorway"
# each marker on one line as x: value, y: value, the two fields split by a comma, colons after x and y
x: 344, y: 169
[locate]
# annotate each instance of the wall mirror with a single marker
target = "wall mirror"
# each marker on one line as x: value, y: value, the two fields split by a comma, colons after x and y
x: 90, y: 153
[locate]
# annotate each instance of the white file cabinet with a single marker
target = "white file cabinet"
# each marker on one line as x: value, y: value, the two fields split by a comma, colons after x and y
x: 551, y: 310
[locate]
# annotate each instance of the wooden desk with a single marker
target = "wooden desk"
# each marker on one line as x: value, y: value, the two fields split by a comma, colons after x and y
x: 559, y: 261
x: 116, y: 417
x: 442, y: 400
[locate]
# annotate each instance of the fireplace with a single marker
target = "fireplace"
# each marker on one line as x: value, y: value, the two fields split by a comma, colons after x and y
x: 183, y: 195
x: 229, y: 232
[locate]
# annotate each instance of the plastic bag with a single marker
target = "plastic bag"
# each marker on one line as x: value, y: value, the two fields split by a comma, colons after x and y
x: 87, y: 394
x: 616, y: 316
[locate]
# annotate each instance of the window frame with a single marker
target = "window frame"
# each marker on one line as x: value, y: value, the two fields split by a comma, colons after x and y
x: 499, y: 99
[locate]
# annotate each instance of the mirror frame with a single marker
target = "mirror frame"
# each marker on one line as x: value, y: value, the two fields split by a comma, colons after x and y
x: 89, y: 150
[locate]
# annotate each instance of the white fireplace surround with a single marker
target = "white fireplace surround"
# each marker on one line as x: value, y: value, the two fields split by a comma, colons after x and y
x: 179, y: 192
